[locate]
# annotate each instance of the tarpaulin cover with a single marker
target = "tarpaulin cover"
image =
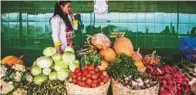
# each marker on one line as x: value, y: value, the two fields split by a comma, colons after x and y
x: 188, y: 46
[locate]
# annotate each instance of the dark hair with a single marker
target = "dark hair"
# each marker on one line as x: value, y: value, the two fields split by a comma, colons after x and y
x: 58, y: 11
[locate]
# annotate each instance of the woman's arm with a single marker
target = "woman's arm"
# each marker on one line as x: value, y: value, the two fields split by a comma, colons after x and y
x: 55, y: 23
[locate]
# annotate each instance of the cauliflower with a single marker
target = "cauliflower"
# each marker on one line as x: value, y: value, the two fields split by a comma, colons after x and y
x: 3, y: 70
x: 20, y: 91
x: 19, y: 67
x: 6, y: 88
x: 28, y: 78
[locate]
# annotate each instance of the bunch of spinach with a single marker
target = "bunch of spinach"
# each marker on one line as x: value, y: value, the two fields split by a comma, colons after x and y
x: 123, y: 67
x: 93, y: 58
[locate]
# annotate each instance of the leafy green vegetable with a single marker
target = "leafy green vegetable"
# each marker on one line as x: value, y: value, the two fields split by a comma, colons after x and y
x: 91, y: 58
x: 53, y: 76
x: 35, y: 70
x: 69, y: 49
x: 44, y: 62
x: 40, y: 79
x: 49, y: 51
x: 123, y: 67
x: 60, y: 65
x: 56, y: 57
x: 69, y: 57
x: 62, y: 74
x: 46, y: 71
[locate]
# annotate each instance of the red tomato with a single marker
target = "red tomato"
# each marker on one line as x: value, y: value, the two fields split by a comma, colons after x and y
x: 94, y: 76
x: 101, y: 77
x: 97, y: 70
x: 84, y: 78
x: 91, y: 71
x: 77, y: 70
x: 89, y: 81
x: 91, y: 67
x: 73, y: 75
x: 79, y: 78
x: 78, y: 74
x: 94, y: 85
x: 74, y: 81
x: 99, y: 80
x: 95, y: 81
x: 81, y: 83
x: 88, y: 75
x: 101, y: 83
x: 105, y: 80
x: 85, y: 72
x: 104, y: 73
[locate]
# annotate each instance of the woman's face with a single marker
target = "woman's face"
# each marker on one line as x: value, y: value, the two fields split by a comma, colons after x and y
x: 66, y: 8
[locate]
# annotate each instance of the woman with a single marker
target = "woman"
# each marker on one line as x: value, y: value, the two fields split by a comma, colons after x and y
x: 61, y: 23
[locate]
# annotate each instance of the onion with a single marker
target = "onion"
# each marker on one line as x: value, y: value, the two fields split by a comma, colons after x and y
x: 100, y: 40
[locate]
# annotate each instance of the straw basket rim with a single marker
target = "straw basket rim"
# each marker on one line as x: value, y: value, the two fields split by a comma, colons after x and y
x: 107, y: 83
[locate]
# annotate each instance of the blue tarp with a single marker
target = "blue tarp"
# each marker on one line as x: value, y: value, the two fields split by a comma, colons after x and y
x: 188, y: 46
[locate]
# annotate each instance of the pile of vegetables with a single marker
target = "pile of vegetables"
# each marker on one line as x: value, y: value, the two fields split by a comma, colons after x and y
x: 123, y: 67
x: 89, y: 76
x: 13, y: 77
x: 54, y: 66
x: 189, y: 69
x: 151, y: 58
x: 11, y: 60
x: 99, y: 40
x: 172, y: 81
x: 93, y: 58
x: 51, y: 87
x: 123, y: 45
x: 125, y: 71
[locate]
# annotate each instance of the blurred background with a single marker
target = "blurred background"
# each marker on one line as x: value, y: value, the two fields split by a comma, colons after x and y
x: 25, y: 27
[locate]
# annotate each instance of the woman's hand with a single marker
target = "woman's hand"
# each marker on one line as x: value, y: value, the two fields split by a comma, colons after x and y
x: 58, y: 49
x: 72, y: 15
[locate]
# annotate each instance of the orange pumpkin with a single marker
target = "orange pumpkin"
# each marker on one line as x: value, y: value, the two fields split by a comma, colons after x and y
x: 11, y: 60
x: 103, y: 66
x: 137, y: 57
x: 108, y: 54
x: 123, y: 45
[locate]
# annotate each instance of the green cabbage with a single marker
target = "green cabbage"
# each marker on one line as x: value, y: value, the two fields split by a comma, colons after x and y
x: 46, y: 71
x: 53, y: 76
x: 69, y: 49
x: 56, y: 57
x: 62, y: 74
x: 69, y: 57
x: 35, y: 70
x: 44, y: 62
x: 49, y: 51
x: 76, y: 62
x: 40, y: 79
x: 60, y: 65
x: 72, y: 67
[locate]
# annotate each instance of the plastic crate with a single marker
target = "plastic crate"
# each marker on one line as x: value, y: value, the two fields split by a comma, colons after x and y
x: 188, y: 46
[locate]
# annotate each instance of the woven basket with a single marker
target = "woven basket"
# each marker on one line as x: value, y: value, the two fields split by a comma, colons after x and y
x: 119, y: 89
x: 73, y: 89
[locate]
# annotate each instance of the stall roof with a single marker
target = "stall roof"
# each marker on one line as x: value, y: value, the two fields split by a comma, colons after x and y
x: 114, y: 6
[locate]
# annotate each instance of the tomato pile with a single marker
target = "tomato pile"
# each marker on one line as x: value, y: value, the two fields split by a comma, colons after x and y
x: 89, y: 76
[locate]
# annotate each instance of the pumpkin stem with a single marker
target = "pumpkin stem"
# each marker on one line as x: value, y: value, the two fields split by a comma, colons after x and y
x: 138, y: 50
x: 103, y: 46
x: 153, y: 53
x: 21, y: 57
x: 123, y: 34
x: 90, y: 36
